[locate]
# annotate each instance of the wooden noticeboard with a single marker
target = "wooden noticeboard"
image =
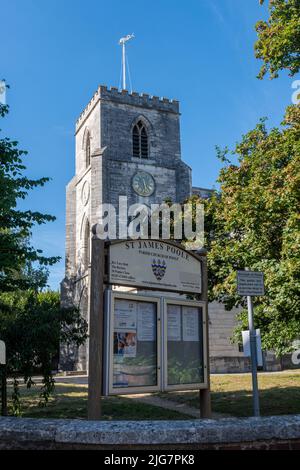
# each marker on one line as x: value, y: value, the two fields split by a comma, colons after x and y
x: 162, y: 266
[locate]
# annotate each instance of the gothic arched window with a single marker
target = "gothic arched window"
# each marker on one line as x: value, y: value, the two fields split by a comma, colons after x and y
x: 140, y: 140
x: 88, y: 150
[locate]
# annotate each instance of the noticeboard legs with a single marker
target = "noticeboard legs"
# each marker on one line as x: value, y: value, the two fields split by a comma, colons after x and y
x: 205, y: 403
x: 96, y: 330
x: 3, y: 390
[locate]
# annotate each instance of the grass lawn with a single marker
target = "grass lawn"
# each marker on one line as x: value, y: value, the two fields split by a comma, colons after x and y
x: 70, y: 401
x: 231, y: 394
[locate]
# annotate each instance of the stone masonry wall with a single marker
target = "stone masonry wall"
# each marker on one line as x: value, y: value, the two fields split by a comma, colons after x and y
x: 274, y: 432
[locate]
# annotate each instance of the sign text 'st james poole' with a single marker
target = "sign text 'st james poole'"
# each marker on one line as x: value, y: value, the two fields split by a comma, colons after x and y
x: 154, y: 264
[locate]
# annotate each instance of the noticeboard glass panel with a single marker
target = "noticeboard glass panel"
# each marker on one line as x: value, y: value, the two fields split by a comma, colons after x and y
x: 185, y: 361
x: 135, y: 359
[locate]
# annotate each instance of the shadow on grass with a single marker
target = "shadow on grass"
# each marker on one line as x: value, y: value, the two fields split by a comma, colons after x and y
x: 273, y: 401
x: 70, y: 402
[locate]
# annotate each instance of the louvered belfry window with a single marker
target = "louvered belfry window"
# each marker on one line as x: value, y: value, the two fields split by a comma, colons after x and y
x: 140, y: 140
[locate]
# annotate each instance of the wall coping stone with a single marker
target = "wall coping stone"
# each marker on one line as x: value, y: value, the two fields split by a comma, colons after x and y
x: 206, y: 431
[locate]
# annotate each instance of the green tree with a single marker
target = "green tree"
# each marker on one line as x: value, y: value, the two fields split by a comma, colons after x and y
x: 254, y: 221
x: 278, y: 43
x: 33, y: 324
x: 16, y: 252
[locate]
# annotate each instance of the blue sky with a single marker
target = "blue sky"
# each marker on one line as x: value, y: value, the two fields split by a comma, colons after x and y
x: 54, y: 54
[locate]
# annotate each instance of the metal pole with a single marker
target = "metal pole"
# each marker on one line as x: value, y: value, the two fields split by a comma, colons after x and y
x: 204, y: 394
x: 252, y: 334
x: 124, y: 66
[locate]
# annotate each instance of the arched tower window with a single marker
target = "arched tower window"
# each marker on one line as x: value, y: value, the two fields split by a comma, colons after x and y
x: 140, y: 147
x: 88, y: 150
x: 87, y: 245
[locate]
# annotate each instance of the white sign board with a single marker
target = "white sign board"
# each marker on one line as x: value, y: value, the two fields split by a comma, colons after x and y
x: 154, y: 264
x: 247, y: 349
x: 2, y: 353
x: 250, y: 283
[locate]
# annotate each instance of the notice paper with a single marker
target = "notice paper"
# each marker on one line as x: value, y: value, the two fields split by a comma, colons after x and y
x: 125, y: 314
x: 190, y: 324
x: 174, y: 323
x: 146, y: 314
x: 125, y: 343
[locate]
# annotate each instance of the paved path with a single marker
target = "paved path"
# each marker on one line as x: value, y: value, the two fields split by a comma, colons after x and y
x: 172, y: 405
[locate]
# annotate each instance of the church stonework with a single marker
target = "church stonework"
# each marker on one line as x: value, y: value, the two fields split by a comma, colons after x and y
x: 107, y: 159
x: 118, y: 135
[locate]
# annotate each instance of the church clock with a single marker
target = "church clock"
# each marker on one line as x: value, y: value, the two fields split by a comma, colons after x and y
x: 143, y: 183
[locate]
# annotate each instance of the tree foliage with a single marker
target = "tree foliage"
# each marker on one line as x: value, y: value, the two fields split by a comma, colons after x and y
x: 16, y: 252
x: 278, y: 43
x: 32, y: 325
x: 254, y: 222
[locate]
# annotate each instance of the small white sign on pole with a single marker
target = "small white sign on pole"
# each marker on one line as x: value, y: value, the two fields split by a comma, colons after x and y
x: 246, y: 346
x: 250, y: 283
x: 2, y: 353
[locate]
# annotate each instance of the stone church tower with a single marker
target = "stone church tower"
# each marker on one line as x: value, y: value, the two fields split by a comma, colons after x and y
x: 127, y: 144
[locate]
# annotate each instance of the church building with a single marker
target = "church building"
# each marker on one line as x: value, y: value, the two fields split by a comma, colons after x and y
x: 128, y: 144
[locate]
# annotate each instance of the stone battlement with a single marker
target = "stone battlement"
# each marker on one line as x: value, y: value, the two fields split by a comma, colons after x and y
x: 134, y: 99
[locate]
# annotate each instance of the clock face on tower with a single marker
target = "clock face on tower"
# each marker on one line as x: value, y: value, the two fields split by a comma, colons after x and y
x: 143, y: 184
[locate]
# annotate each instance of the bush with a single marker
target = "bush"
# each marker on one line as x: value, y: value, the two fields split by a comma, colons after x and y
x: 32, y: 324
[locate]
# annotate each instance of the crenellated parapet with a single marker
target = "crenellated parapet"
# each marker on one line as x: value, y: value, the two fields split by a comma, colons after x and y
x: 143, y: 100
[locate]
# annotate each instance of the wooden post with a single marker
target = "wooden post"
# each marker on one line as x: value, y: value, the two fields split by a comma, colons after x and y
x: 96, y: 336
x: 3, y: 390
x: 205, y: 398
